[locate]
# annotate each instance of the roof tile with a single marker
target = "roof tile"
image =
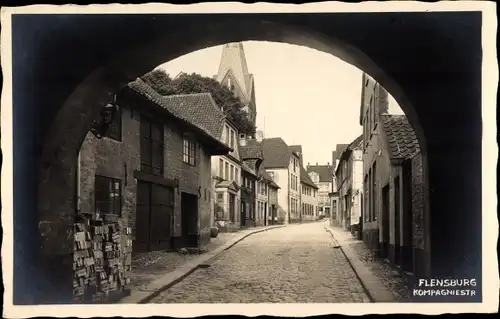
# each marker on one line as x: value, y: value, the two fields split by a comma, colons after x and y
x: 401, y: 138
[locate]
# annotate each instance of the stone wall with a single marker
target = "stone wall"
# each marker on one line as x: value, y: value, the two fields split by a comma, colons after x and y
x: 418, y: 202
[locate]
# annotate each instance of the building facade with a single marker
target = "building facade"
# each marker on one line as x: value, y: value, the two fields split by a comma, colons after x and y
x: 393, y: 219
x: 349, y: 179
x: 322, y: 176
x: 283, y: 166
x: 226, y: 175
x: 308, y: 190
x: 152, y: 170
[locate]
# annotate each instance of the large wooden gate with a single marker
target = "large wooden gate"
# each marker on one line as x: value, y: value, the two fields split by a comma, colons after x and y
x: 155, y: 206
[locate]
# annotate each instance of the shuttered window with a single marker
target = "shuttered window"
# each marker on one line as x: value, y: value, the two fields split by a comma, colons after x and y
x: 115, y: 127
x: 152, y: 147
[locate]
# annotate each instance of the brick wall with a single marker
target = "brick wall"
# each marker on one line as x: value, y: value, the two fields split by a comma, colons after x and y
x: 119, y: 160
x: 418, y: 202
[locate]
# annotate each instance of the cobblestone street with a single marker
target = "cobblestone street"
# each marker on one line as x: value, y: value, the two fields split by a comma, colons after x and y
x: 291, y: 264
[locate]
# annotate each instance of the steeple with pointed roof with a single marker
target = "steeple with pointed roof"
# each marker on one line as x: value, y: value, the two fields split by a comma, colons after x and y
x: 233, y: 73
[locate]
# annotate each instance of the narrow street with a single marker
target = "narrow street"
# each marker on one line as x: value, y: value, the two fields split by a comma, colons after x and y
x: 291, y: 264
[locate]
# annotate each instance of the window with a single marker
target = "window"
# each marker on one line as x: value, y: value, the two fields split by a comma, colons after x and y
x: 366, y: 209
x: 232, y: 173
x: 237, y: 175
x: 115, y: 127
x: 107, y: 196
x: 151, y: 144
x: 189, y: 151
x: 226, y: 134
x: 219, y: 206
x: 221, y: 168
x: 226, y: 175
x: 231, y: 138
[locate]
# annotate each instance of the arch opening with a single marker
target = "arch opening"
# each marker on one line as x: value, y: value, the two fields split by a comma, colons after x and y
x: 68, y: 130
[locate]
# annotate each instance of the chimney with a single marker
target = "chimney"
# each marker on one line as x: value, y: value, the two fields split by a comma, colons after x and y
x: 316, y: 163
x: 243, y: 140
x: 328, y: 164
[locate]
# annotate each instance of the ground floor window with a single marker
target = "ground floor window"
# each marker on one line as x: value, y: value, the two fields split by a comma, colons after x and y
x: 108, y: 196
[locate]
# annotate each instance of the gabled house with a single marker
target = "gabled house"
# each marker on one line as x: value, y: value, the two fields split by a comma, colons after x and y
x: 322, y: 176
x: 226, y: 175
x: 283, y: 165
x: 233, y: 73
x: 308, y: 190
x: 349, y: 175
x: 151, y: 172
x: 333, y: 195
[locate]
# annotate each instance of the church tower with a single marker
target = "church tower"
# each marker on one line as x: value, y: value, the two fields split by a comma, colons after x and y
x: 233, y: 73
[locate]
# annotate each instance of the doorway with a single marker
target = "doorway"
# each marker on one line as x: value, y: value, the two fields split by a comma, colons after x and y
x: 266, y: 214
x: 397, y: 220
x: 385, y: 222
x: 231, y: 208
x: 189, y: 219
x: 154, y: 210
x: 243, y: 214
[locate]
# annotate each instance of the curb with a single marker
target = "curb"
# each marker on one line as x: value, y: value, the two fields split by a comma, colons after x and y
x: 373, y: 287
x: 144, y: 296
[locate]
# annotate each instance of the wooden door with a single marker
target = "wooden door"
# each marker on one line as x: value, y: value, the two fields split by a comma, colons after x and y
x: 142, y: 219
x: 243, y: 214
x: 231, y: 207
x: 154, y: 210
x: 161, y: 216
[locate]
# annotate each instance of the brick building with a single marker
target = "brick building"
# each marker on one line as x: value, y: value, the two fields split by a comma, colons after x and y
x: 393, y: 222
x: 226, y: 175
x: 152, y: 170
x: 349, y: 180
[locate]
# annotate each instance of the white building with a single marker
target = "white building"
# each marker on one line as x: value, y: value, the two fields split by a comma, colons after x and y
x: 226, y: 175
x: 283, y: 165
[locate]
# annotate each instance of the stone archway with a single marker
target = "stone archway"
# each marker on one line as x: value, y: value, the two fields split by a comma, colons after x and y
x: 363, y: 40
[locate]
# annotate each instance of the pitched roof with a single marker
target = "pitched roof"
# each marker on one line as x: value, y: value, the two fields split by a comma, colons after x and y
x: 265, y: 175
x: 325, y: 172
x: 276, y: 153
x: 401, y: 138
x: 245, y: 167
x: 251, y: 150
x: 356, y: 144
x: 306, y: 179
x: 199, y: 110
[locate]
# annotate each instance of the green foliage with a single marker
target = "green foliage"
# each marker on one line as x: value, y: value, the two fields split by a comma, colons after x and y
x: 161, y: 81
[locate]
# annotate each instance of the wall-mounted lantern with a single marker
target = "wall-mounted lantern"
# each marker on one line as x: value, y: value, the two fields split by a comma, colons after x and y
x: 100, y: 126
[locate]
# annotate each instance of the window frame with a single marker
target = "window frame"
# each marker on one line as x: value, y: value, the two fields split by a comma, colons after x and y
x: 117, y: 200
x: 189, y: 145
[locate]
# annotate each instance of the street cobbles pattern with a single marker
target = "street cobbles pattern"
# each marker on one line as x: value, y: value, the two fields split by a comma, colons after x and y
x: 295, y: 264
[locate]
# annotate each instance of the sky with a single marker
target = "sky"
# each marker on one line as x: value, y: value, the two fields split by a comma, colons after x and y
x: 304, y: 96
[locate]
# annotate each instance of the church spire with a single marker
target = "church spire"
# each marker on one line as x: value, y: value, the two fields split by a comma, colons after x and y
x: 233, y: 73
x: 233, y: 59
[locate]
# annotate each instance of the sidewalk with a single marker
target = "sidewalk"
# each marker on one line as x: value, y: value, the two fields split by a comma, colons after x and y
x: 156, y: 271
x: 384, y: 284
